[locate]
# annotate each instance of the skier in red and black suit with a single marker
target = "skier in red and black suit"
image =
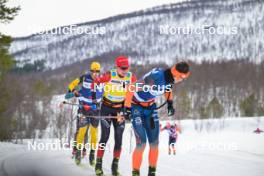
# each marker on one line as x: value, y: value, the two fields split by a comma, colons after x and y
x: 115, y: 82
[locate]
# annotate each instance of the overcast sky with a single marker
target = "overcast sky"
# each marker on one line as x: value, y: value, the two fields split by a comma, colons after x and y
x: 46, y: 14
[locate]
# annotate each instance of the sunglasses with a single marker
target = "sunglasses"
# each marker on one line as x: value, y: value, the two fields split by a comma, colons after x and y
x: 95, y: 71
x: 123, y: 68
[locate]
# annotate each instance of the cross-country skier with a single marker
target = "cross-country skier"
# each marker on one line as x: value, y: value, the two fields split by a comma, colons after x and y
x: 144, y: 114
x: 91, y: 97
x: 258, y: 131
x: 173, y: 131
x: 115, y: 82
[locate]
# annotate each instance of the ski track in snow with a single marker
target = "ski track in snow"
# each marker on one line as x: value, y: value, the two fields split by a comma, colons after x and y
x: 27, y: 163
x: 246, y: 160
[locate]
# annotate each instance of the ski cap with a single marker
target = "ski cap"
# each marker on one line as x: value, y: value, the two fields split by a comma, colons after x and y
x: 95, y: 66
x: 122, y: 61
x: 181, y: 70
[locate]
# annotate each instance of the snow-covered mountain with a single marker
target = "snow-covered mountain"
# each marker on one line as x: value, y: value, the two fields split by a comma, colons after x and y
x: 196, y: 30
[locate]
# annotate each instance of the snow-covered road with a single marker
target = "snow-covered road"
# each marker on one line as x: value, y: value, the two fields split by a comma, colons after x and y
x: 25, y: 163
x: 234, y: 151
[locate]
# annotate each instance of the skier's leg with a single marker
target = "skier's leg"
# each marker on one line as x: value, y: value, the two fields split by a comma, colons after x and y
x: 86, y: 136
x: 93, y: 141
x: 105, y: 132
x: 118, y: 134
x: 74, y: 149
x: 170, y: 143
x: 140, y: 134
x: 77, y: 126
x: 83, y: 125
x: 93, y: 132
x: 174, y: 146
x: 152, y: 130
x: 81, y: 136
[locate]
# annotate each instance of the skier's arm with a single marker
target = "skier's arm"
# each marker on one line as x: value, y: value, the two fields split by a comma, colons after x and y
x: 129, y: 95
x: 73, y: 85
x: 74, y: 88
x: 169, y: 97
x: 178, y: 129
x: 168, y: 94
x: 130, y: 92
x: 134, y: 79
x: 106, y: 77
x: 164, y: 128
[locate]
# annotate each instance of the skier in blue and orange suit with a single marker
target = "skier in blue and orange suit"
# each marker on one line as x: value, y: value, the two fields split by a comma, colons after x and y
x: 140, y: 103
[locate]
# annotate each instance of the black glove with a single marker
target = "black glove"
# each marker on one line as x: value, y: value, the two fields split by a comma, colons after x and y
x: 126, y: 112
x: 76, y: 93
x: 171, y: 110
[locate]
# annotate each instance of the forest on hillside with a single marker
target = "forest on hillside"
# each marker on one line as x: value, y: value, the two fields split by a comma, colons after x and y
x: 214, y: 90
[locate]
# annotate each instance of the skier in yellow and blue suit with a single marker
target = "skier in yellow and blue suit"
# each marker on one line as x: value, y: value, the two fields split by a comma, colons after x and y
x: 82, y: 88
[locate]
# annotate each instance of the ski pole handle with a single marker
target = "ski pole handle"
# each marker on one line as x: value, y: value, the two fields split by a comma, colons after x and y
x: 85, y: 107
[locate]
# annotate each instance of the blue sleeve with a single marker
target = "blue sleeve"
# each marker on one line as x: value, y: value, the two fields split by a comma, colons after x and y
x: 154, y: 74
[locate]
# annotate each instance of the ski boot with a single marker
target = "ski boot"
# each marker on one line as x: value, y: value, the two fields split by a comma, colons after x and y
x: 135, y: 173
x: 115, y: 167
x: 74, y: 151
x: 91, y: 158
x: 152, y: 171
x: 78, y: 157
x: 98, y: 167
x: 83, y: 153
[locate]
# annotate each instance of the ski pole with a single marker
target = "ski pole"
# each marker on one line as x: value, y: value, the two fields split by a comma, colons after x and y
x: 85, y: 107
x: 119, y: 117
x: 130, y: 144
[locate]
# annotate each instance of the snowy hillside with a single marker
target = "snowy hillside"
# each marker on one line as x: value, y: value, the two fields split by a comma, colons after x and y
x: 150, y: 35
x: 233, y: 150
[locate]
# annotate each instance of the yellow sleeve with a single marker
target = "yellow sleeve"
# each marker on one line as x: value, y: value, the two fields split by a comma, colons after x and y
x: 73, y: 84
